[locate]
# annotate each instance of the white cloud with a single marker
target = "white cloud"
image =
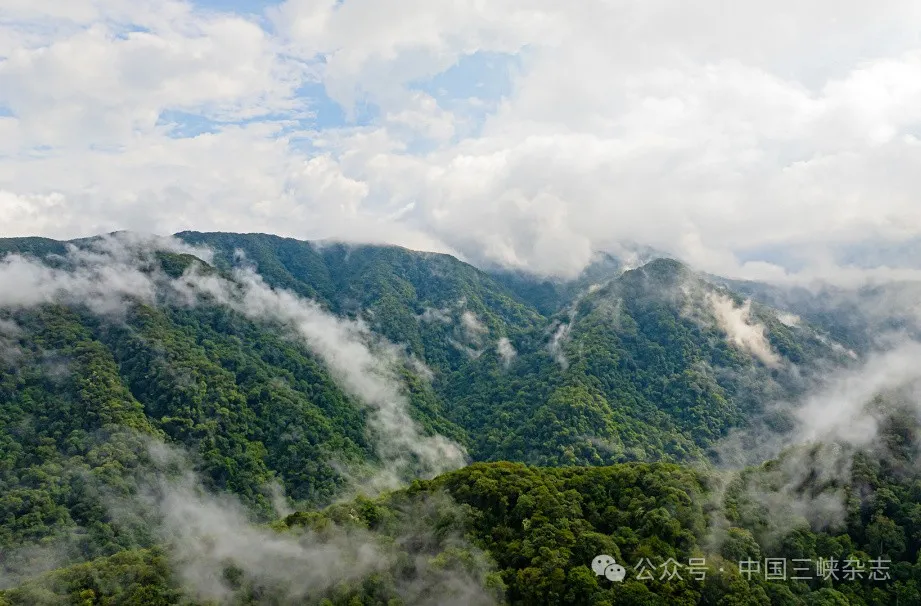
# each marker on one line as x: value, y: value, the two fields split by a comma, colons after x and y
x: 423, y: 116
x: 104, y: 277
x: 473, y: 328
x: 845, y: 411
x: 708, y: 131
x: 430, y: 314
x: 32, y: 213
x: 506, y: 351
x: 788, y: 319
x: 101, y: 85
x: 743, y: 331
x: 9, y: 349
x: 559, y: 338
x: 377, y: 47
x: 206, y: 532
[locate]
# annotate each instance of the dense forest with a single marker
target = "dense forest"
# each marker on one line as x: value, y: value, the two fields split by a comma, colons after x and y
x: 235, y: 377
x: 504, y: 532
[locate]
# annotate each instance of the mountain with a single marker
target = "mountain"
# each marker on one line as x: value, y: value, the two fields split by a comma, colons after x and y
x: 305, y: 368
x: 639, y: 369
x: 549, y: 295
x: 860, y: 318
x: 597, y: 381
x: 411, y: 298
x: 507, y: 533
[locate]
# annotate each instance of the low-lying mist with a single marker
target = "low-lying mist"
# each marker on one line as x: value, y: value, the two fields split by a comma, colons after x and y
x: 793, y: 466
x: 218, y: 552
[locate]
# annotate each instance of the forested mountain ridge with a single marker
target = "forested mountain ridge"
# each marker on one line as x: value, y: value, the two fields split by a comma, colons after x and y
x: 641, y: 369
x: 607, y: 322
x: 506, y: 533
x: 856, y: 317
x: 490, y: 350
x: 414, y: 299
x: 111, y: 344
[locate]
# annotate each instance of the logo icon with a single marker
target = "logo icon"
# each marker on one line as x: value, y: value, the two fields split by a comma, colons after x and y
x: 604, y: 565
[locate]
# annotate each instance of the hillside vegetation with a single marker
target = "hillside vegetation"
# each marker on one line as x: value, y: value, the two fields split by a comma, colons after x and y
x: 238, y: 351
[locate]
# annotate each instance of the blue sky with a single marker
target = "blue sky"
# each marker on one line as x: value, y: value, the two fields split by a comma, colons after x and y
x: 238, y: 6
x: 484, y: 76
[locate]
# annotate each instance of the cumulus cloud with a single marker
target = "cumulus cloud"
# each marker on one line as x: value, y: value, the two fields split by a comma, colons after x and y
x: 743, y: 331
x: 100, y: 83
x: 723, y: 136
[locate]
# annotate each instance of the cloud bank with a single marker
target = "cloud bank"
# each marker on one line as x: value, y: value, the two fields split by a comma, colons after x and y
x: 758, y: 140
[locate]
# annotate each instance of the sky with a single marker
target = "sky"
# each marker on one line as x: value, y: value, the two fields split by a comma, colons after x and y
x: 768, y: 140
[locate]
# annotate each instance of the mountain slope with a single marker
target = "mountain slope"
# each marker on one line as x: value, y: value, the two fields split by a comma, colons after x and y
x: 640, y: 369
x: 857, y: 318
x: 262, y: 367
x: 411, y: 298
x: 532, y: 535
x: 85, y: 391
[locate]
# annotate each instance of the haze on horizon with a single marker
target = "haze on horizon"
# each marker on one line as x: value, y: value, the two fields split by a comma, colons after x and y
x: 772, y: 141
